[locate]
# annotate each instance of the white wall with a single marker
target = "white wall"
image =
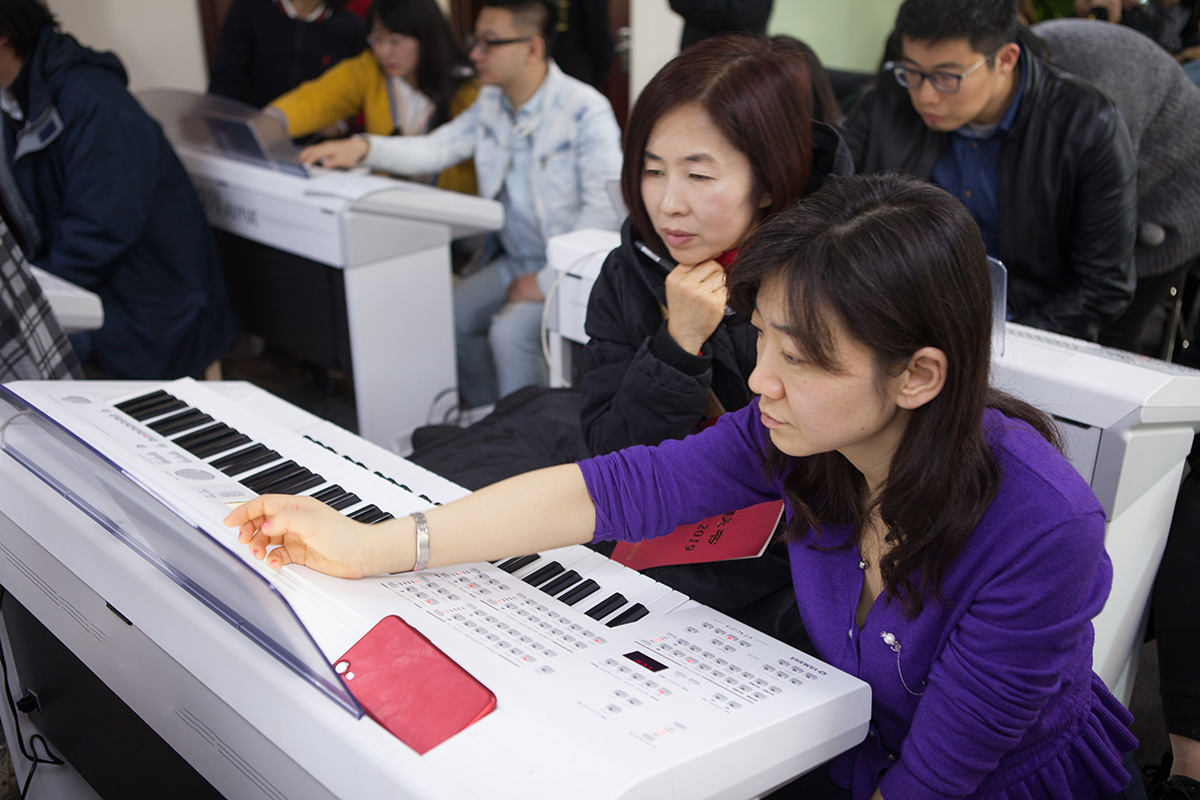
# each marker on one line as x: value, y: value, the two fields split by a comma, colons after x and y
x: 847, y: 34
x: 656, y: 30
x: 159, y: 41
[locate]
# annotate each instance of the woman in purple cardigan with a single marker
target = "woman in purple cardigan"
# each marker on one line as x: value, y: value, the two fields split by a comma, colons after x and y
x: 943, y: 550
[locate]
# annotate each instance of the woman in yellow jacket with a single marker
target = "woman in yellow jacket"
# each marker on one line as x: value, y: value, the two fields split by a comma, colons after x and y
x: 413, y: 78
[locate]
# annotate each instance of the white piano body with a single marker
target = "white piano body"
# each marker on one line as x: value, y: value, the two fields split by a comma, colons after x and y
x: 349, y: 271
x: 1128, y: 423
x: 130, y: 584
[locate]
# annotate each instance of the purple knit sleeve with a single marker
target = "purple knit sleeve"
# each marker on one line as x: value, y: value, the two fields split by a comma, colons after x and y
x: 643, y: 492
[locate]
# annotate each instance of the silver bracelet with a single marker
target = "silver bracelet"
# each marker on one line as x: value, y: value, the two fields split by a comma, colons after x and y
x: 422, y: 541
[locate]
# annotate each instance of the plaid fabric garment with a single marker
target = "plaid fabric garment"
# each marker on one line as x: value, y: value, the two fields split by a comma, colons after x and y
x: 32, y: 344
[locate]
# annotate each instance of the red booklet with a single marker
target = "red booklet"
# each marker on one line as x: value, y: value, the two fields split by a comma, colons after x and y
x: 744, y: 533
x: 409, y: 686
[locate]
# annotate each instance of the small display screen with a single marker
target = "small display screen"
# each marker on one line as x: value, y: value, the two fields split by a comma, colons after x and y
x: 646, y: 661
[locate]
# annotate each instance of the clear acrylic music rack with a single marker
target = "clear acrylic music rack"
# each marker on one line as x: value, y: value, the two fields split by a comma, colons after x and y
x: 192, y: 558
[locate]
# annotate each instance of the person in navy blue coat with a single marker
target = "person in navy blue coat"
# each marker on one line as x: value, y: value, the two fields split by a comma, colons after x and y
x: 96, y: 195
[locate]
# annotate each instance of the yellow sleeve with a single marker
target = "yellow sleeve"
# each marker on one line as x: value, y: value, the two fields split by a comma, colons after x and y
x: 461, y: 177
x: 340, y: 92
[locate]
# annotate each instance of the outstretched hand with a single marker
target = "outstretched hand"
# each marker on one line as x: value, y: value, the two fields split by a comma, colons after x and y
x: 307, y: 532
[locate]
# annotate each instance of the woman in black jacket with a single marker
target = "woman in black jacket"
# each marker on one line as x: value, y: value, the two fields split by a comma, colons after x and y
x: 720, y: 140
x: 644, y: 383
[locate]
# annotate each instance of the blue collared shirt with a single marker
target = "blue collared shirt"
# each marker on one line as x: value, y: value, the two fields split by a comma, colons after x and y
x: 521, y: 235
x: 968, y: 168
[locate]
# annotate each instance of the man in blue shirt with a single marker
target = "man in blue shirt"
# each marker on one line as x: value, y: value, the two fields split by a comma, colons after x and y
x: 1040, y: 158
x: 545, y: 145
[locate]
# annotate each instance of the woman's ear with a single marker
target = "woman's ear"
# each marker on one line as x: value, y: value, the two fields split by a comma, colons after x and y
x: 922, y: 379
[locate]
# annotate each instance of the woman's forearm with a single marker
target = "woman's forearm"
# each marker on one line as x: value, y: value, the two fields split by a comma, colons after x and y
x: 536, y: 511
x: 528, y: 513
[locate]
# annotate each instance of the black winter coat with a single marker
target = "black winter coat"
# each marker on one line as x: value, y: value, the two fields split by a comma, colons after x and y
x: 1067, y: 193
x: 101, y: 200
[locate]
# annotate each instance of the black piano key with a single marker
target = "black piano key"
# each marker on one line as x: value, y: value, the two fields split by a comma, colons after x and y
x: 177, y: 423
x: 607, y: 606
x: 540, y: 576
x: 140, y: 404
x: 345, y: 501
x: 134, y: 402
x: 585, y: 589
x: 634, y: 612
x: 513, y: 564
x: 244, y: 460
x: 300, y: 483
x: 270, y: 475
x: 386, y: 516
x: 564, y: 581
x: 156, y: 409
x: 368, y: 514
x: 188, y: 440
x: 329, y: 493
x: 281, y: 483
x: 220, y: 445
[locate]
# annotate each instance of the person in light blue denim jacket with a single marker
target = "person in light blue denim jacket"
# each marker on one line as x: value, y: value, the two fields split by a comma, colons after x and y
x: 545, y: 145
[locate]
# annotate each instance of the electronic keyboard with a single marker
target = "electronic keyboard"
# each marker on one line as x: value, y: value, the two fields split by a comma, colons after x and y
x: 595, y: 667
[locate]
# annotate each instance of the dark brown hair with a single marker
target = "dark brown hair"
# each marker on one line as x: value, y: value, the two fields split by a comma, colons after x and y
x: 899, y: 265
x: 755, y: 91
x: 22, y: 22
x: 541, y: 15
x: 987, y: 25
x: 825, y: 106
x: 442, y: 64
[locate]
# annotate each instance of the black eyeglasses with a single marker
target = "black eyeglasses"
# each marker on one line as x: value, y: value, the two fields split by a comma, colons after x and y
x: 472, y: 41
x: 944, y: 82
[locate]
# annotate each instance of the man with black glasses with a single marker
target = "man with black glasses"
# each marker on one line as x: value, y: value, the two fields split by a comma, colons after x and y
x: 1041, y: 159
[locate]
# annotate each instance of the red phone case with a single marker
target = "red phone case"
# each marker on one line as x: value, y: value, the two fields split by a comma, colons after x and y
x: 409, y: 686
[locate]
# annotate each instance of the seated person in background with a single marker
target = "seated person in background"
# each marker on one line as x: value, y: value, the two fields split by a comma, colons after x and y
x: 1040, y: 158
x: 270, y: 46
x: 94, y: 193
x: 413, y: 78
x: 720, y: 140
x: 545, y: 145
x: 1161, y: 109
x: 944, y: 551
x: 32, y: 345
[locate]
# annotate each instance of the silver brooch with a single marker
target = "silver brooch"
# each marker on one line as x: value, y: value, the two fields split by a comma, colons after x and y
x: 891, y: 641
